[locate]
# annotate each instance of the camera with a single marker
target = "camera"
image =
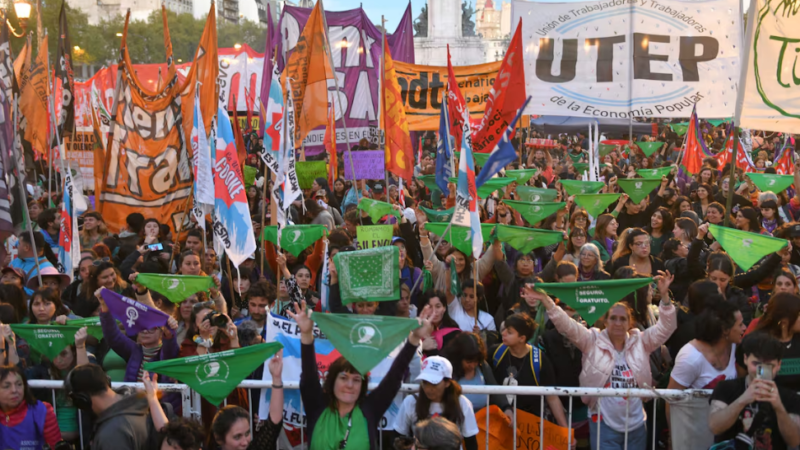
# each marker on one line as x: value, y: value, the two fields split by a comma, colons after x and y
x: 217, y: 319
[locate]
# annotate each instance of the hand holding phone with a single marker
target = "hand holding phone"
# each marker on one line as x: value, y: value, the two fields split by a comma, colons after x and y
x: 156, y: 246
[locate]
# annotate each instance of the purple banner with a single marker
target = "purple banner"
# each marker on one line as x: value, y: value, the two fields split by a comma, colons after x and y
x: 134, y: 316
x: 356, y: 50
x: 369, y: 165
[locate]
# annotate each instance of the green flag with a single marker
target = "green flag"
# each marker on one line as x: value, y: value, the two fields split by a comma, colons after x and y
x: 176, y: 288
x: 595, y: 204
x: 526, y: 239
x: 575, y: 158
x: 591, y: 299
x: 521, y: 176
x: 534, y: 194
x: 479, y: 158
x: 92, y: 325
x: 377, y: 209
x: 460, y: 237
x: 606, y: 149
x: 744, y: 247
x: 581, y: 167
x: 250, y: 174
x: 455, y: 283
x: 48, y: 340
x: 369, y: 275
x: 430, y: 182
x: 535, y: 212
x: 438, y: 216
x: 638, y: 188
x: 654, y: 174
x: 575, y: 187
x: 491, y: 185
x: 771, y: 182
x: 215, y: 375
x: 649, y: 147
x: 295, y: 238
x: 680, y: 128
x: 364, y: 341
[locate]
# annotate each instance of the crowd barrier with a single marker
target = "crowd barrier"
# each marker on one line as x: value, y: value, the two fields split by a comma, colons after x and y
x: 191, y: 399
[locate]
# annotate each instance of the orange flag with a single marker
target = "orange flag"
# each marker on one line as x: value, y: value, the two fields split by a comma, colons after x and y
x: 241, y: 151
x: 399, y: 151
x: 23, y: 61
x: 205, y: 69
x: 330, y: 146
x: 309, y: 70
x: 33, y: 101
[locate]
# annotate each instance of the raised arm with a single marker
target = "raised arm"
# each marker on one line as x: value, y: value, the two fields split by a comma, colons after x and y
x: 654, y: 337
x: 116, y: 340
x: 579, y: 335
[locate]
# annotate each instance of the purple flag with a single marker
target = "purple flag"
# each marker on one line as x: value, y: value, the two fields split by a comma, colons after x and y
x: 134, y: 316
x: 356, y: 50
x: 266, y: 72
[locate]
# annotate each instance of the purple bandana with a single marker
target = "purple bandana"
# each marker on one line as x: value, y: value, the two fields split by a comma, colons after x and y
x: 134, y: 316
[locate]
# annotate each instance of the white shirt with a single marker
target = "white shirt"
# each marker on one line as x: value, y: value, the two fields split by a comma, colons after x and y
x: 614, y: 410
x: 466, y: 322
x: 693, y: 370
x: 407, y: 417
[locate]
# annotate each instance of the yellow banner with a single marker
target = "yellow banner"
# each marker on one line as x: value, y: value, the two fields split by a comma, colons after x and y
x: 422, y: 88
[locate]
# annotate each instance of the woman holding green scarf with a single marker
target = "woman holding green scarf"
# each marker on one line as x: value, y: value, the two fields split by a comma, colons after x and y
x: 341, y: 415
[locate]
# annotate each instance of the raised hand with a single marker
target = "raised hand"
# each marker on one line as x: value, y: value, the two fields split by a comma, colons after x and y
x: 530, y: 292
x: 80, y: 337
x: 302, y: 318
x: 276, y: 367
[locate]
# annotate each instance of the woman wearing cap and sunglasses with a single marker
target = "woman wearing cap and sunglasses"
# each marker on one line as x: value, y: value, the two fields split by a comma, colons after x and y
x: 340, y: 414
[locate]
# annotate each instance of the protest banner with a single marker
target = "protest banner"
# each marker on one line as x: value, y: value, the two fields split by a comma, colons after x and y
x: 371, y: 236
x: 285, y: 331
x: 369, y: 165
x: 422, y: 87
x: 579, y: 60
x: 308, y: 171
x: 529, y: 436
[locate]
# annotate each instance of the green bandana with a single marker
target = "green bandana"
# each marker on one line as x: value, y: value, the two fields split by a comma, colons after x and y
x: 369, y: 275
x: 176, y: 288
x: 534, y: 194
x: 48, y: 340
x: 535, y: 212
x: 430, y: 182
x: 595, y: 204
x: 455, y: 283
x: 591, y: 299
x: 479, y: 158
x: 581, y: 167
x: 364, y: 341
x: 526, y: 239
x: 680, y: 128
x: 656, y: 174
x: 215, y: 375
x: 575, y: 187
x: 649, y: 147
x: 744, y: 247
x: 377, y: 209
x: 491, y: 185
x: 521, y: 176
x: 606, y: 149
x: 771, y: 182
x: 331, y: 428
x: 92, y: 325
x: 295, y: 238
x: 638, y: 188
x: 460, y: 237
x: 438, y: 216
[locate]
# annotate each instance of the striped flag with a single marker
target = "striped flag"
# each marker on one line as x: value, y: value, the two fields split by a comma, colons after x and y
x: 466, y: 210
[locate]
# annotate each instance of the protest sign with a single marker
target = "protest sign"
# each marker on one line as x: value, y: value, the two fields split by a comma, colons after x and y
x: 529, y: 437
x: 371, y: 236
x: 369, y: 165
x: 308, y: 171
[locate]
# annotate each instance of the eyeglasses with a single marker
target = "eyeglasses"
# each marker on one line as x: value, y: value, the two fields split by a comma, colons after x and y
x: 642, y: 244
x: 102, y: 260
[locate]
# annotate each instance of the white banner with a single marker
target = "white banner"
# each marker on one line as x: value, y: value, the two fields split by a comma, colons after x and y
x: 579, y: 57
x: 768, y: 98
x: 287, y: 332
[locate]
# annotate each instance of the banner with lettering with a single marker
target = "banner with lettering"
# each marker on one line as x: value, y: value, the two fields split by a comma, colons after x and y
x: 368, y: 164
x: 356, y: 49
x: 625, y: 58
x: 768, y: 98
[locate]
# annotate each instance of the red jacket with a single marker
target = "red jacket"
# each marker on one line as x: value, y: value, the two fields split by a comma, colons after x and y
x: 52, y: 434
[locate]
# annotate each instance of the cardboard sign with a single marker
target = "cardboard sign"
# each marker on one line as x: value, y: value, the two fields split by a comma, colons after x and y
x: 307, y: 171
x: 369, y: 165
x: 371, y: 236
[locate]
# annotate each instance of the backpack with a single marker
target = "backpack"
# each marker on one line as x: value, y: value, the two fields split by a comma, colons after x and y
x: 533, y: 356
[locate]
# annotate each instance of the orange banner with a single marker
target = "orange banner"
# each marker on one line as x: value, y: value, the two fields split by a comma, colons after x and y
x: 399, y: 151
x: 422, y: 88
x: 148, y: 165
x: 528, y: 431
x: 309, y: 70
x: 33, y: 101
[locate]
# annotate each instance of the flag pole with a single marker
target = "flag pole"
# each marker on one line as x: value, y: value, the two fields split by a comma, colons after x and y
x: 339, y: 102
x: 381, y: 88
x: 475, y: 285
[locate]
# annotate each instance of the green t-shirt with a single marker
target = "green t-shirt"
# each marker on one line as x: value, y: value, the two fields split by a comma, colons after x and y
x: 331, y: 428
x: 115, y: 366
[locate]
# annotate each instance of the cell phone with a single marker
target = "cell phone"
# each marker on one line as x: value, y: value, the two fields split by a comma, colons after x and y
x: 156, y: 246
x: 764, y: 372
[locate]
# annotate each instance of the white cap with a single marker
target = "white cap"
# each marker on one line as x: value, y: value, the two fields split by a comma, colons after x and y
x: 435, y: 369
x: 410, y: 215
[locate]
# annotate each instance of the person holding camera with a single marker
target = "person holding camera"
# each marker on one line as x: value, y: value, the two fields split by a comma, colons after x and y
x: 752, y: 411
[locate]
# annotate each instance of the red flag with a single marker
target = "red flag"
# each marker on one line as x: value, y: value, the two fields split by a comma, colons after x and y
x: 330, y: 146
x: 507, y: 96
x: 241, y: 151
x: 693, y: 153
x: 784, y: 164
x: 248, y: 126
x: 455, y: 103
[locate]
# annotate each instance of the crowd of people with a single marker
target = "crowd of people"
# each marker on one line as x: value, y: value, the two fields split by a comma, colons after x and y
x: 703, y: 322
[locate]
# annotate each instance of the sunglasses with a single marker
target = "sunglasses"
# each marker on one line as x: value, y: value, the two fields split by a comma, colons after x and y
x: 102, y: 260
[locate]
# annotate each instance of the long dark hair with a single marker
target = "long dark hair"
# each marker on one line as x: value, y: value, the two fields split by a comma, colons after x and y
x: 224, y: 420
x: 450, y: 402
x: 782, y: 306
x: 718, y: 317
x: 92, y: 285
x: 48, y: 295
x: 339, y: 366
x: 15, y: 297
x: 464, y: 347
x: 27, y: 395
x: 752, y: 217
x: 426, y: 297
x: 666, y: 221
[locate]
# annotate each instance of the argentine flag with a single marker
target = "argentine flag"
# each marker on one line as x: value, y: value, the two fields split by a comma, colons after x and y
x: 466, y: 210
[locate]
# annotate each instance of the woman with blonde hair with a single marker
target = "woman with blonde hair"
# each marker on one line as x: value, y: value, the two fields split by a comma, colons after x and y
x: 94, y: 230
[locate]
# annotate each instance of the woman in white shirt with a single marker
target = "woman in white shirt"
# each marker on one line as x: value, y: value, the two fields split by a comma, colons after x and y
x: 702, y: 363
x: 464, y: 308
x: 438, y: 395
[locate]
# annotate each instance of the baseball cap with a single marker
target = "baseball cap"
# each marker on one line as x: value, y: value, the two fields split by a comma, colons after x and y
x: 794, y: 231
x: 396, y: 239
x: 17, y: 272
x: 435, y: 369
x: 378, y: 188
